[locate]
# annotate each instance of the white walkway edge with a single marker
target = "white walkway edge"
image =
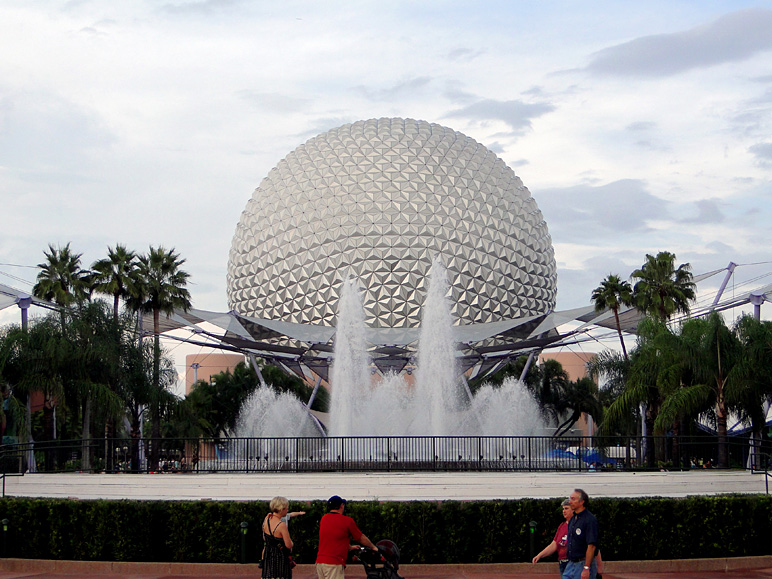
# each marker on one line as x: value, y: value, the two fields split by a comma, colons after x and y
x: 381, y: 486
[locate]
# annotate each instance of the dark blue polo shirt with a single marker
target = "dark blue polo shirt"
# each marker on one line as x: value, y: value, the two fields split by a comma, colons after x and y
x: 582, y: 531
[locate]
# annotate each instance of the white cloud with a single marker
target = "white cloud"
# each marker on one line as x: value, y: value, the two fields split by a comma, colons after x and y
x: 730, y: 38
x: 763, y: 153
x: 516, y: 114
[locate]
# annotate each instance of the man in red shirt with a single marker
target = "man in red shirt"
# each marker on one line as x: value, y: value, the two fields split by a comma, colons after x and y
x: 336, y: 531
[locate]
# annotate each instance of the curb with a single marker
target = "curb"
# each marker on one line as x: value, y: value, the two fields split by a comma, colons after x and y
x: 119, y: 568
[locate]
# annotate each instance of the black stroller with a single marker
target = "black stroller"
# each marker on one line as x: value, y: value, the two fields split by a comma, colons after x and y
x: 381, y: 564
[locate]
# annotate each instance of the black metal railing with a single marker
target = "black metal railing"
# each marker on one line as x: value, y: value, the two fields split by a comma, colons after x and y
x: 761, y: 463
x: 373, y: 454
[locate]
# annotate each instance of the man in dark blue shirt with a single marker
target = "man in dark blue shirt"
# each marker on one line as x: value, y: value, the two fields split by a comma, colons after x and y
x: 583, y: 539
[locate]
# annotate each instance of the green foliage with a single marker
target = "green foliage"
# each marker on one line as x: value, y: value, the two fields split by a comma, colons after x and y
x: 662, y: 288
x: 612, y: 293
x: 61, y: 278
x: 426, y: 531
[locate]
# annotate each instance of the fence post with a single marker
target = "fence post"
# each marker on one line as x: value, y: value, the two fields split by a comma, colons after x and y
x: 244, y: 528
x: 5, y: 538
x: 529, y: 454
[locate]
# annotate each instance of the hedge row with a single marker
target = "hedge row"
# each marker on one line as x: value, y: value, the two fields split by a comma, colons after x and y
x: 426, y: 532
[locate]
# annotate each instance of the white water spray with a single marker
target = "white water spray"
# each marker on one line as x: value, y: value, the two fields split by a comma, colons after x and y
x: 350, y: 374
x: 268, y: 413
x: 438, y: 388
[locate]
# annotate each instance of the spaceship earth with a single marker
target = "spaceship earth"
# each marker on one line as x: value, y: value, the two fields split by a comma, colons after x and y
x: 378, y: 200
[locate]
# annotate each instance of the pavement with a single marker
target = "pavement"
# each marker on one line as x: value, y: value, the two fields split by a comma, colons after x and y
x: 399, y: 486
x: 737, y: 568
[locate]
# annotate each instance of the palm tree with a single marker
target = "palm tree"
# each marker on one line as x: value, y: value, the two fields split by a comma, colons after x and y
x: 752, y: 388
x: 612, y: 293
x: 662, y: 289
x: 135, y: 386
x: 160, y: 289
x: 614, y: 370
x: 115, y: 274
x: 550, y: 390
x: 91, y: 373
x: 580, y: 397
x: 34, y: 362
x: 61, y: 279
x: 707, y: 355
x: 648, y: 380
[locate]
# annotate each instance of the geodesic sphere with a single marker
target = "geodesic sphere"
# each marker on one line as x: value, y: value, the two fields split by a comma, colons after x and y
x: 378, y: 199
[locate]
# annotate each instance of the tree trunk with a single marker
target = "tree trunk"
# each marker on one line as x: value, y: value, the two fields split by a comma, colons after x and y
x: 30, y: 455
x: 721, y: 427
x: 135, y: 436
x: 48, y: 433
x: 155, y: 410
x: 619, y: 331
x: 85, y: 452
x: 653, y: 451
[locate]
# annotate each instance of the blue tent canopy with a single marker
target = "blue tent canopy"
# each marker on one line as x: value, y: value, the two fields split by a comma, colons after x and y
x: 595, y: 456
x: 559, y: 453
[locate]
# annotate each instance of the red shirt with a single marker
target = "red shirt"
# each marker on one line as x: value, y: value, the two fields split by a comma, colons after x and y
x: 336, y: 532
x: 561, y: 540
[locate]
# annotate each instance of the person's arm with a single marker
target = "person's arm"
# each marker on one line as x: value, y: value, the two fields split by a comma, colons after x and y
x: 599, y: 561
x: 589, y: 556
x: 364, y: 541
x: 283, y: 532
x: 548, y: 550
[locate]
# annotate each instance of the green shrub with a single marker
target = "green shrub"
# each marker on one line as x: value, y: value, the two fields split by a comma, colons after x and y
x: 426, y: 531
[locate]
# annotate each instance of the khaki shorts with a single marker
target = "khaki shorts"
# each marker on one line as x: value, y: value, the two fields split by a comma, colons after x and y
x: 325, y: 571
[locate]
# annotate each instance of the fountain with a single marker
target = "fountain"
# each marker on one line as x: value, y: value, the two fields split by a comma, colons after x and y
x: 351, y: 369
x: 438, y: 404
x: 268, y: 413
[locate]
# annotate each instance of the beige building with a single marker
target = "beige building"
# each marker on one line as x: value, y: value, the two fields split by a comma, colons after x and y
x: 575, y: 364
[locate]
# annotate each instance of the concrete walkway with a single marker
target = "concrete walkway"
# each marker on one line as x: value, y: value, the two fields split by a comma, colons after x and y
x: 383, y: 486
x: 740, y: 568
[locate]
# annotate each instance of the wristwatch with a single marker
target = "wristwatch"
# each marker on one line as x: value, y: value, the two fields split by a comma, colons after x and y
x: 586, y: 567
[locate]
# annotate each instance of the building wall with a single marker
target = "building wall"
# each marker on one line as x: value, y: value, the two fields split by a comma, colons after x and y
x: 575, y: 364
x: 209, y: 365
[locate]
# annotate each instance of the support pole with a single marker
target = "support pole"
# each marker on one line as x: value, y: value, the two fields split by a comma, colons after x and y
x: 757, y: 298
x: 256, y: 368
x: 24, y: 302
x: 316, y: 389
x: 195, y: 366
x: 527, y: 366
x: 729, y: 272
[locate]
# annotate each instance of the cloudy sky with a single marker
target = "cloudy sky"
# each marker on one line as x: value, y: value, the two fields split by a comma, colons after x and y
x: 637, y: 126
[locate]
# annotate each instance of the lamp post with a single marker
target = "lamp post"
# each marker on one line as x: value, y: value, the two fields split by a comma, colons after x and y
x: 195, y: 366
x: 243, y: 528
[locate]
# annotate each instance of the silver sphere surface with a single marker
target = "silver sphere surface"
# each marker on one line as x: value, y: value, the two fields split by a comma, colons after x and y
x: 378, y: 200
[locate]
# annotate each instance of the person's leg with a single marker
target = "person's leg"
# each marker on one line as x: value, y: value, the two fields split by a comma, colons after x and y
x: 325, y: 571
x: 573, y: 570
